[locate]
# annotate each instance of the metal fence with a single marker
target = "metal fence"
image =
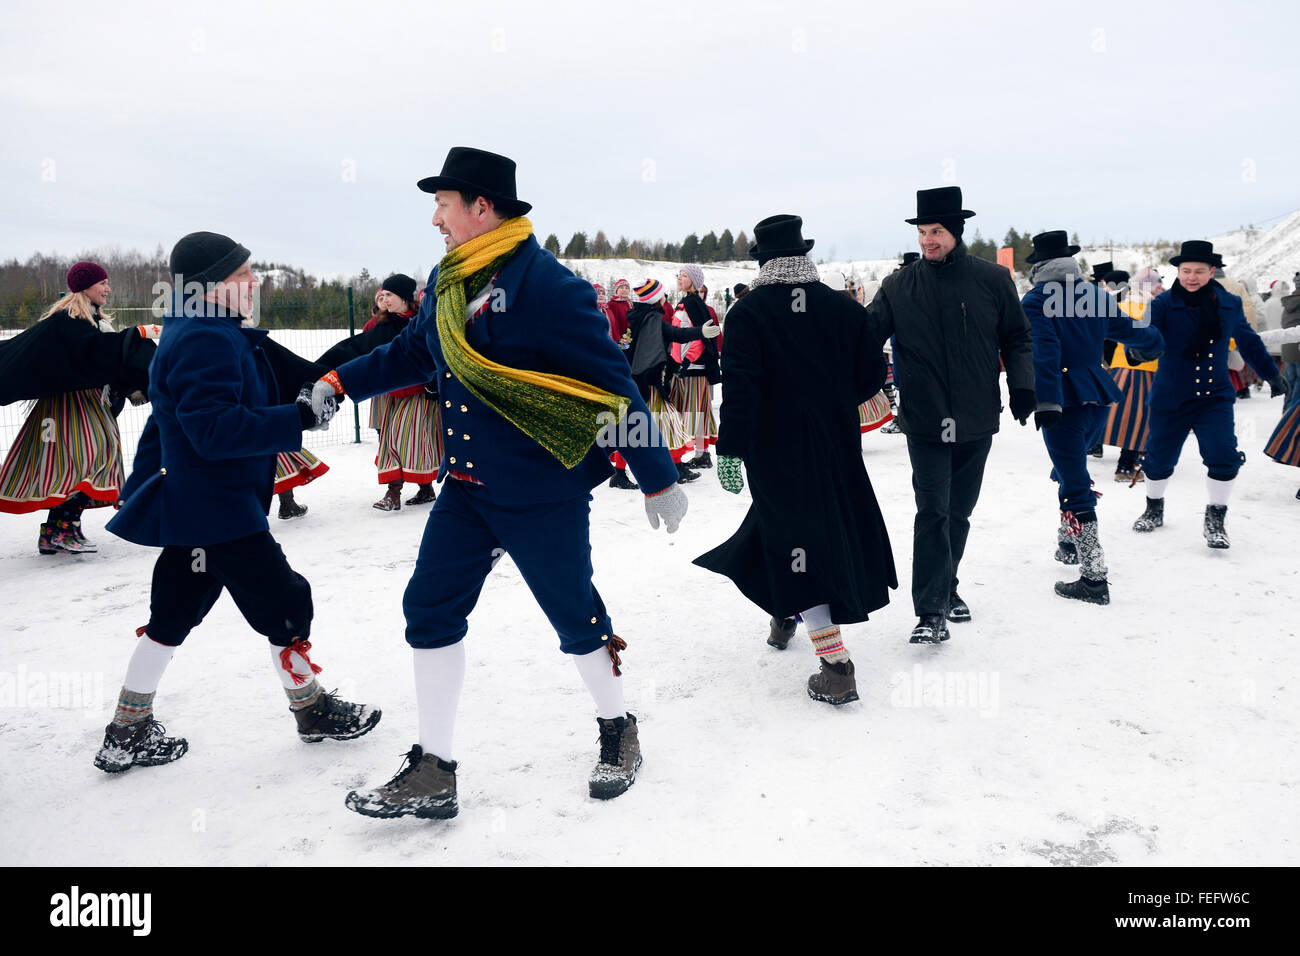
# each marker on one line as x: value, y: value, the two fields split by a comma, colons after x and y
x: 309, y: 343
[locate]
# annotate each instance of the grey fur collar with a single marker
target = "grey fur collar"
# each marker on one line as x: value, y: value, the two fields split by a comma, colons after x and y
x: 786, y: 270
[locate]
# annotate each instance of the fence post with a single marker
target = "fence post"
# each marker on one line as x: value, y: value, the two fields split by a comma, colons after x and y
x: 356, y: 410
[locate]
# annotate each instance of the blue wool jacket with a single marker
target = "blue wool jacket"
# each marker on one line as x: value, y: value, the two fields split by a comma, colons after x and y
x: 1070, y: 322
x: 1179, y: 380
x: 205, y: 467
x: 542, y: 318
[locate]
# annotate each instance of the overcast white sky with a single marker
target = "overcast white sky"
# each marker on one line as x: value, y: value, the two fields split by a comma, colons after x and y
x: 300, y: 128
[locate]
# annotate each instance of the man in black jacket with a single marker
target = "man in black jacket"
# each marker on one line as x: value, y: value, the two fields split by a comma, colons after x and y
x: 952, y: 316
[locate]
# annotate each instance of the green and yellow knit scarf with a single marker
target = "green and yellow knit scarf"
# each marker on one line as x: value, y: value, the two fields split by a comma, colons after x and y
x: 561, y: 414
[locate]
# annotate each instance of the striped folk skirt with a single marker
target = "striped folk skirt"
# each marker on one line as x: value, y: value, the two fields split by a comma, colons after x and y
x: 1284, y: 444
x: 874, y: 412
x: 295, y: 468
x: 69, y: 443
x: 410, y: 438
x: 690, y: 395
x: 672, y: 431
x: 1127, y: 425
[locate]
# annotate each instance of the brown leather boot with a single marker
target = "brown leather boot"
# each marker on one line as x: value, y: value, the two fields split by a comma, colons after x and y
x: 781, y: 632
x: 424, y: 787
x: 392, y: 500
x: 834, y: 683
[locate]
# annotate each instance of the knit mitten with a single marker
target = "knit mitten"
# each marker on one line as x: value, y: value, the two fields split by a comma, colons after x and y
x: 730, y: 475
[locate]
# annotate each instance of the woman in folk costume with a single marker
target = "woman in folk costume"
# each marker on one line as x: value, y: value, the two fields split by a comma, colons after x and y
x: 68, y: 454
x: 648, y: 354
x: 1284, y: 444
x: 876, y: 410
x: 813, y: 543
x: 692, y: 392
x: 617, y: 309
x: 410, y: 428
x: 1126, y: 428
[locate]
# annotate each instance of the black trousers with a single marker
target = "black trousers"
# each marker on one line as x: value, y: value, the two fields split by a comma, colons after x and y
x: 274, y: 598
x: 946, y: 478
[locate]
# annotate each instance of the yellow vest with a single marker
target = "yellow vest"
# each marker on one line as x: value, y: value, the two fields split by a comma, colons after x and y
x: 1135, y: 311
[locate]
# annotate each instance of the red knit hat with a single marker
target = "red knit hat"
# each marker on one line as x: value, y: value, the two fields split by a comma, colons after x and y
x: 85, y: 274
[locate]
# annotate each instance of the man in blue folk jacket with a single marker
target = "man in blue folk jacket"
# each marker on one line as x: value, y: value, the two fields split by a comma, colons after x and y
x: 1192, y: 391
x: 1071, y: 318
x: 200, y: 489
x: 534, y: 396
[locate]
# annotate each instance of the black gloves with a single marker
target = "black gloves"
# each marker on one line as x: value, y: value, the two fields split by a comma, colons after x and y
x: 1137, y: 357
x: 1023, y: 404
x: 1046, y: 418
x: 1277, y: 386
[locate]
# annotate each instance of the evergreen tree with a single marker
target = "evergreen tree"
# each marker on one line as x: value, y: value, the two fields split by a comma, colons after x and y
x: 709, y: 247
x: 726, y: 245
x: 672, y: 252
x: 577, y: 247
x: 621, y: 248
x: 691, y: 248
x: 982, y: 248
x: 1074, y: 239
x: 552, y: 244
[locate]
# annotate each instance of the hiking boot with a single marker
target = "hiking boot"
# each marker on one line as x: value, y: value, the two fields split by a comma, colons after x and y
x: 620, y: 757
x: 1216, y: 536
x: 621, y: 480
x: 291, y: 509
x: 423, y: 496
x: 781, y: 632
x: 1094, y: 592
x: 143, y: 743
x: 1153, y: 517
x: 958, y: 611
x: 334, y: 718
x: 930, y: 629
x: 834, y: 683
x: 684, y: 474
x: 424, y: 787
x: 392, y: 500
x: 704, y: 460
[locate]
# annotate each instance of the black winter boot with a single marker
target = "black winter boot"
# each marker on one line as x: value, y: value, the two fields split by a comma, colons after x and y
x: 621, y: 480
x: 143, y: 744
x: 1216, y: 536
x: 930, y: 629
x: 781, y: 631
x: 1091, y: 586
x: 684, y: 474
x: 958, y: 610
x: 337, y: 719
x: 620, y: 757
x: 1153, y: 517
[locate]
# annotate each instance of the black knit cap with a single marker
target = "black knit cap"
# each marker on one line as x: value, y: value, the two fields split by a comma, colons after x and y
x: 402, y: 286
x: 207, y: 257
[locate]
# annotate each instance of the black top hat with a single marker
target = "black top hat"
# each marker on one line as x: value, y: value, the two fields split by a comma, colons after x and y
x: 1100, y: 269
x: 1198, y: 250
x: 1116, y: 275
x: 933, y: 205
x: 1051, y: 245
x: 910, y: 257
x: 485, y: 174
x: 778, y: 236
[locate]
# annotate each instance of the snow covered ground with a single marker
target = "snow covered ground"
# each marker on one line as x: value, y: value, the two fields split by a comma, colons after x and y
x: 1159, y: 730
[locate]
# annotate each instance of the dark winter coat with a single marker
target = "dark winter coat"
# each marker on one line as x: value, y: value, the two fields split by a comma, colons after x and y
x: 1291, y: 317
x: 1191, y: 370
x: 698, y: 313
x: 550, y: 323
x: 205, y: 467
x: 951, y: 322
x: 66, y: 354
x: 648, y: 353
x: 814, y: 533
x: 1071, y: 320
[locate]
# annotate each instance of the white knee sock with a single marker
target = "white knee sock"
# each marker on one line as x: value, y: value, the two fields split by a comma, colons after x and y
x: 147, y: 665
x: 597, y: 670
x: 817, y: 618
x: 439, y: 677
x: 1156, y: 487
x: 301, y: 668
x: 1219, y: 491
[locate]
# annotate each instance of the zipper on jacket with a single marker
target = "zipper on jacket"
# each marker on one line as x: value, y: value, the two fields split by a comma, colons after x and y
x: 964, y: 330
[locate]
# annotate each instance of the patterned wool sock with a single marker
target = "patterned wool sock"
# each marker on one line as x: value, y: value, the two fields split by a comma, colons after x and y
x: 304, y: 696
x: 132, y: 706
x: 827, y: 644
